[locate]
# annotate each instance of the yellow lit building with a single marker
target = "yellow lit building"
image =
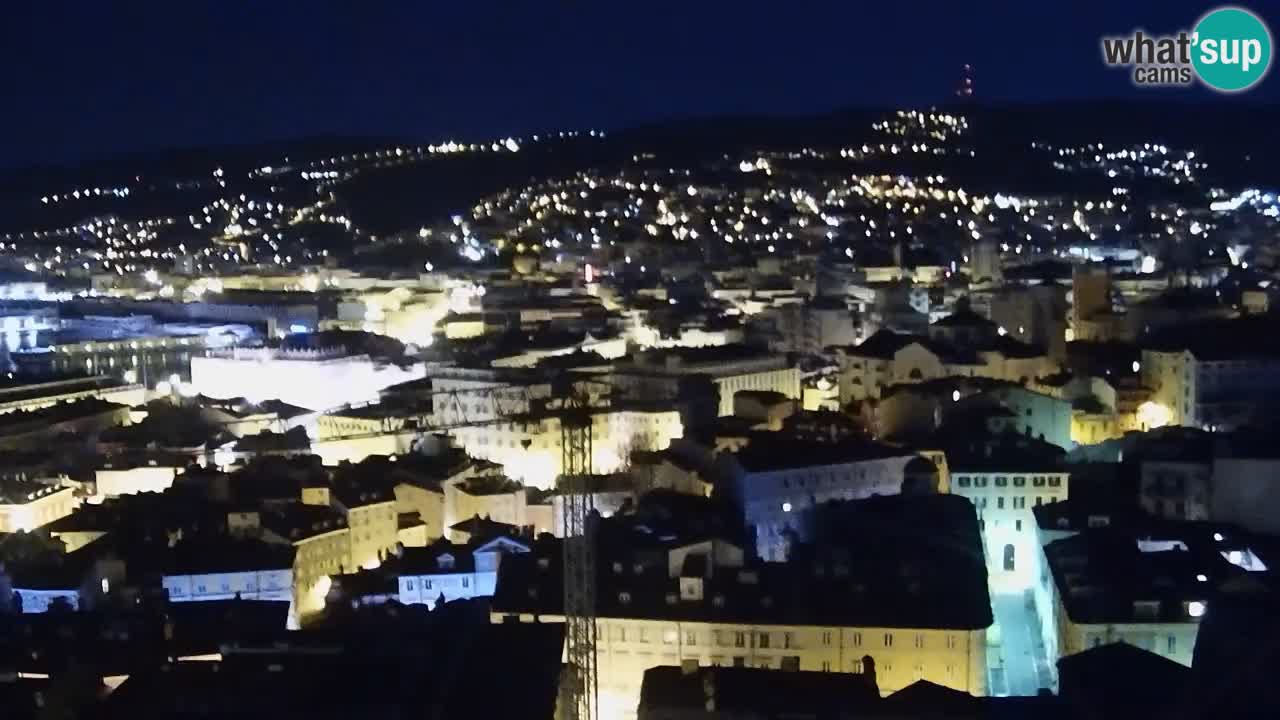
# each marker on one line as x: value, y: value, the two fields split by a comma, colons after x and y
x: 494, y: 497
x: 371, y: 518
x: 528, y: 446
x: 322, y: 549
x: 705, y: 602
x: 1108, y: 587
x: 131, y: 476
x: 888, y: 358
x: 730, y: 367
x: 27, y: 504
x: 373, y: 523
x: 41, y: 395
x: 421, y: 490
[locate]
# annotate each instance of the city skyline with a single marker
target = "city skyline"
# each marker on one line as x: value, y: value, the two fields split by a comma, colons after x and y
x: 106, y: 80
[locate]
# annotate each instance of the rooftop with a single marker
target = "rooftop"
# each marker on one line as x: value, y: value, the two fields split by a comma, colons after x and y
x: 694, y: 357
x: 21, y: 492
x: 296, y: 522
x: 1109, y: 574
x: 934, y: 577
x: 1246, y: 338
x: 768, y: 452
x: 201, y: 554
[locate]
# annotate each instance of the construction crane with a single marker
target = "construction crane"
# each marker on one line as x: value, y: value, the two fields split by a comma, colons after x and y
x: 580, y: 688
x: 577, y: 396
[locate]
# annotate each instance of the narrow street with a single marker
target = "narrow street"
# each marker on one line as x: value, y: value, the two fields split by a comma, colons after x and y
x: 1024, y: 669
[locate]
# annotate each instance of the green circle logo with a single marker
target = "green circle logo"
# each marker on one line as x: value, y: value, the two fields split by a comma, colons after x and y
x: 1231, y: 49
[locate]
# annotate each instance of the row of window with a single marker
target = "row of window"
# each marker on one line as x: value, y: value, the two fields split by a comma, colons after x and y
x: 225, y: 587
x: 412, y: 585
x: 764, y: 640
x: 361, y: 516
x: 817, y: 478
x: 1003, y: 481
x: 1146, y: 641
x: 1016, y: 503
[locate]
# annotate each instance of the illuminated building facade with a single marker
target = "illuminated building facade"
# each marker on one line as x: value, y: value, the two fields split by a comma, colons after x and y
x: 453, y: 572
x: 1216, y: 375
x: 731, y: 368
x: 373, y: 523
x: 1004, y: 500
x: 704, y: 602
x: 321, y: 542
x: 29, y: 504
x: 528, y: 447
x: 888, y: 358
x: 129, y: 477
x: 776, y: 481
x: 312, y: 379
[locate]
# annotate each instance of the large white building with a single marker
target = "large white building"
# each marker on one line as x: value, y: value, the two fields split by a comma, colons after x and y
x: 452, y: 572
x: 314, y: 379
x: 224, y: 568
x: 1005, y: 481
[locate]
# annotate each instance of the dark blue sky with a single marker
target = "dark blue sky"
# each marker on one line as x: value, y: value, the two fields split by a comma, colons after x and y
x: 85, y: 78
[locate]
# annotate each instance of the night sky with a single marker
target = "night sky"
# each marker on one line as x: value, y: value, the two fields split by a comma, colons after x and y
x: 83, y: 79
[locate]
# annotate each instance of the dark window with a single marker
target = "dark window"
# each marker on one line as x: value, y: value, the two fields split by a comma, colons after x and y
x: 1002, y: 481
x: 962, y: 481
